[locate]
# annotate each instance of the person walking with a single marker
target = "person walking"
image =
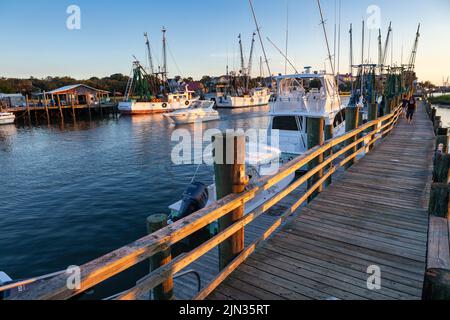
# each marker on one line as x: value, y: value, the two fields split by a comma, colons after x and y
x: 411, y: 110
x: 404, y: 106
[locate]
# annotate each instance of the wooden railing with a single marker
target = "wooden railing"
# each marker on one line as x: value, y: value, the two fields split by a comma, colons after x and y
x: 363, y: 138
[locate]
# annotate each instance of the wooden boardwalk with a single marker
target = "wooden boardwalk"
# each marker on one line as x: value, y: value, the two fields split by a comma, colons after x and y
x: 375, y: 215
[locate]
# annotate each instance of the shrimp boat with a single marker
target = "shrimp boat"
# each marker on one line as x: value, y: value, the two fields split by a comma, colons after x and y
x: 7, y: 118
x: 150, y: 92
x: 199, y: 111
x: 237, y: 92
x: 303, y: 96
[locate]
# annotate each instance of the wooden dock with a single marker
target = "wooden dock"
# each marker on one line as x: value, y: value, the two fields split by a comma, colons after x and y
x: 375, y: 215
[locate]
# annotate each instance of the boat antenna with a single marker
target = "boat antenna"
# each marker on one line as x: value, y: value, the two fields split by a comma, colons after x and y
x: 258, y: 29
x: 149, y: 52
x: 351, y: 56
x: 287, y: 37
x: 284, y: 56
x: 326, y: 38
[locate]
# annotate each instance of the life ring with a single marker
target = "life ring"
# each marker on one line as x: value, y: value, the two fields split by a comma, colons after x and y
x: 187, y: 103
x: 164, y: 105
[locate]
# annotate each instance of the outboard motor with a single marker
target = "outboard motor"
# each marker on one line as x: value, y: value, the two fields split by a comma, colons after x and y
x: 4, y: 280
x: 195, y: 198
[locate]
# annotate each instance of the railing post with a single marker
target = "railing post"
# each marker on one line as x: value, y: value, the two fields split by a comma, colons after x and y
x: 372, y: 116
x: 328, y: 136
x: 351, y: 123
x: 230, y: 177
x: 165, y: 290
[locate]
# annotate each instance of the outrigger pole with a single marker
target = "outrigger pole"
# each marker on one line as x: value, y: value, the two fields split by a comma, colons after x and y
x: 330, y: 58
x: 260, y: 38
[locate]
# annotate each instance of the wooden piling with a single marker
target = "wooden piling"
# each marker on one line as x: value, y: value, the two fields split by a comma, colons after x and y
x: 230, y: 177
x: 441, y: 167
x: 351, y: 123
x: 46, y: 108
x: 387, y: 106
x: 439, y: 200
x: 60, y: 109
x: 442, y: 139
x: 28, y: 109
x: 163, y: 291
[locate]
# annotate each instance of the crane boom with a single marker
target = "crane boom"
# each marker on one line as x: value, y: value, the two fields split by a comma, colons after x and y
x: 412, y: 60
x: 386, y: 45
x: 250, y: 60
x: 242, y: 55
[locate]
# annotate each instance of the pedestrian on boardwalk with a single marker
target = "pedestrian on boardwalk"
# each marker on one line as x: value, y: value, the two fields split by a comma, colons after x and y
x: 411, y: 110
x: 404, y: 106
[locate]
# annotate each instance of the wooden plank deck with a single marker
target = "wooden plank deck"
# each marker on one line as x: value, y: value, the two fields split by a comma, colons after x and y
x: 375, y: 214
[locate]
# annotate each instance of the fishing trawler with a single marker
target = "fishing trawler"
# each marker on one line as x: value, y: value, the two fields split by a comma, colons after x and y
x: 237, y: 92
x: 299, y: 97
x: 199, y: 111
x: 150, y: 92
x: 7, y: 118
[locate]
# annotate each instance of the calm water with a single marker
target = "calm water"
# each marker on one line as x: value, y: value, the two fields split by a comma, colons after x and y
x: 69, y: 195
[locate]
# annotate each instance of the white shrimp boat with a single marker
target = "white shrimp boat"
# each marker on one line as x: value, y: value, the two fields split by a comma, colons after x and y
x: 7, y: 118
x: 174, y: 102
x: 255, y: 98
x: 199, y: 111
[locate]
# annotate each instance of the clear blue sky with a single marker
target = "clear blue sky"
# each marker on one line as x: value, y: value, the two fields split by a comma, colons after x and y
x: 202, y: 33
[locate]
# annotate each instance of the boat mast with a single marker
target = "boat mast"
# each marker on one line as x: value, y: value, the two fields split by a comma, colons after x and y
x: 412, y: 59
x: 362, y: 59
x: 250, y: 63
x: 351, y: 57
x: 380, y: 51
x: 260, y: 37
x: 149, y: 52
x: 242, y: 55
x: 164, y: 70
x: 287, y: 37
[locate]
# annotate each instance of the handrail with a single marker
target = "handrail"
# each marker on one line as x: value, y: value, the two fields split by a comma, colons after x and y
x: 113, y: 263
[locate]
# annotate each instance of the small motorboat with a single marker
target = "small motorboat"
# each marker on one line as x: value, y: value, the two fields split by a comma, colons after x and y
x: 258, y: 163
x: 7, y: 118
x: 199, y: 111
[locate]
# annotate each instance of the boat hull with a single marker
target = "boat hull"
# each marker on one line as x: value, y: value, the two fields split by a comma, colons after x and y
x: 178, y: 119
x: 7, y: 119
x: 139, y: 108
x: 242, y: 102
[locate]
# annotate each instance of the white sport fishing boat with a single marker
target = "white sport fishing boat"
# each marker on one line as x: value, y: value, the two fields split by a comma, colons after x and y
x: 259, y: 162
x: 7, y: 118
x: 199, y: 111
x: 303, y: 96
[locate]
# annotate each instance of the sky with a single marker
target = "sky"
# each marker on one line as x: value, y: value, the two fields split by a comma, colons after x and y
x: 203, y: 35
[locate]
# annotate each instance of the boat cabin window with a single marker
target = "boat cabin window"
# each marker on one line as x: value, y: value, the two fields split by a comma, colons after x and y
x: 285, y: 123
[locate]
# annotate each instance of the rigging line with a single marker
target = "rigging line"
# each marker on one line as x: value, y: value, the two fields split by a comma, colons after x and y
x: 173, y: 58
x: 196, y: 172
x: 281, y: 52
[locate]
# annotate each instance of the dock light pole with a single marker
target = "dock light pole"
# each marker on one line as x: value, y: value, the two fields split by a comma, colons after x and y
x: 230, y: 177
